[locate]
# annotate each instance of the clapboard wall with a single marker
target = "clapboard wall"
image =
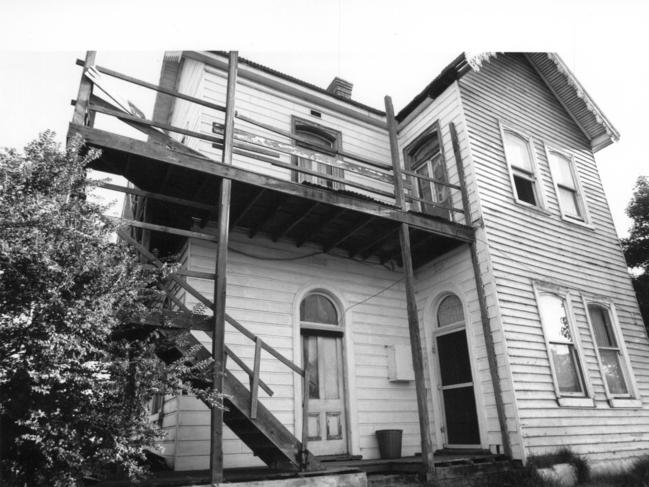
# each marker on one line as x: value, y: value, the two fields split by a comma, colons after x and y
x: 361, y: 132
x: 526, y: 244
x: 454, y: 272
x: 262, y: 294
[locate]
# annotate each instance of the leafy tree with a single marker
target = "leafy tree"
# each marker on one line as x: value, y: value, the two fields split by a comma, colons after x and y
x: 73, y: 395
x: 636, y: 247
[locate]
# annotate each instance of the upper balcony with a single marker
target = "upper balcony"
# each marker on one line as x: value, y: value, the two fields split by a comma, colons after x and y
x: 295, y: 176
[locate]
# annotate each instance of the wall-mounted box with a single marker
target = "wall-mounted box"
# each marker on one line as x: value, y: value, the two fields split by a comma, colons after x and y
x: 400, y: 363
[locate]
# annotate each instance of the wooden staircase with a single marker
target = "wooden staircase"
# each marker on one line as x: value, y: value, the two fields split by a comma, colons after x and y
x: 254, y: 424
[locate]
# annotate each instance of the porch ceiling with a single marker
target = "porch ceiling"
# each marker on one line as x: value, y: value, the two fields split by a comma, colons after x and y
x: 281, y: 216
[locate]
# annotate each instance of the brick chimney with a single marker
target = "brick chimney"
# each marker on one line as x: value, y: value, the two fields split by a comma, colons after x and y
x: 340, y: 87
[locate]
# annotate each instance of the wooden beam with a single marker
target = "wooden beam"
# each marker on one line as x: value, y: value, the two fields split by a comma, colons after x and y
x: 106, y: 140
x: 246, y: 209
x: 265, y: 216
x: 150, y: 123
x: 155, y: 135
x: 294, y: 222
x: 492, y: 359
x: 218, y: 336
x: 368, y: 249
x: 85, y: 92
x: 165, y: 229
x: 151, y: 86
x: 254, y: 380
x: 157, y: 196
x: 416, y: 344
x: 348, y: 233
x: 315, y: 227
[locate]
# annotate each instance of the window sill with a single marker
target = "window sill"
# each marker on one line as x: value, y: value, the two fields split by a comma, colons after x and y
x: 533, y: 208
x: 624, y: 403
x: 576, y: 402
x: 579, y: 223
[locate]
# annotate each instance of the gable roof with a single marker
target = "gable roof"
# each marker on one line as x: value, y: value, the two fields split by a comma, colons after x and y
x: 556, y: 75
x: 550, y: 67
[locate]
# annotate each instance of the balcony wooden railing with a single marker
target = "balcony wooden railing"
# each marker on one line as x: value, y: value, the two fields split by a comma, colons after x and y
x: 280, y: 149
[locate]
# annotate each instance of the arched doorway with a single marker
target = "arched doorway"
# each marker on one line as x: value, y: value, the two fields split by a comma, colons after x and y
x: 461, y: 427
x: 322, y: 336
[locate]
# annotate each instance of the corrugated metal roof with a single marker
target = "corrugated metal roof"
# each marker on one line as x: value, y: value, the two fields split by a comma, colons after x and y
x: 303, y: 83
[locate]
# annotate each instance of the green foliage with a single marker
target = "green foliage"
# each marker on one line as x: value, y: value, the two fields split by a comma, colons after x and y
x: 72, y: 396
x: 636, y: 247
x: 564, y: 455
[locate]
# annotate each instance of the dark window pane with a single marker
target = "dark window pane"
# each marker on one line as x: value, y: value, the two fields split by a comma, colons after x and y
x: 454, y: 362
x: 601, y: 326
x: 450, y: 311
x: 311, y: 350
x: 613, y: 371
x: 524, y: 190
x: 569, y: 203
x: 565, y: 366
x: 461, y: 418
x: 316, y: 308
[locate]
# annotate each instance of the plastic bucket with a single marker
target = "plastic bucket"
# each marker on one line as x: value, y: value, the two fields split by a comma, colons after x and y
x: 389, y: 443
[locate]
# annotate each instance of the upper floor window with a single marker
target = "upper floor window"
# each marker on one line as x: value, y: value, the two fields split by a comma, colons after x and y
x: 610, y: 355
x: 424, y: 156
x: 322, y: 140
x: 564, y: 357
x: 571, y: 202
x: 522, y: 168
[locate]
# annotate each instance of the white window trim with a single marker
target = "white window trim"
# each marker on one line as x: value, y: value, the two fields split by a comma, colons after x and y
x: 563, y: 398
x: 632, y: 399
x: 581, y: 196
x: 538, y: 183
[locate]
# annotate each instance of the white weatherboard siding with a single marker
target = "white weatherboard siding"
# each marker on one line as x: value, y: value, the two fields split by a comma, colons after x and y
x: 263, y: 295
x: 455, y: 271
x: 526, y: 244
x: 271, y: 107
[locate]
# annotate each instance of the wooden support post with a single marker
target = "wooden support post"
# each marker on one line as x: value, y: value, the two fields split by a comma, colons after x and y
x: 305, y: 407
x: 411, y: 304
x: 254, y: 380
x: 83, y: 97
x: 482, y: 300
x: 218, y: 336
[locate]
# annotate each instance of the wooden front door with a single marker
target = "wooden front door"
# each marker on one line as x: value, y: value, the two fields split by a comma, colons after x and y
x: 455, y: 377
x: 322, y: 348
x: 326, y: 419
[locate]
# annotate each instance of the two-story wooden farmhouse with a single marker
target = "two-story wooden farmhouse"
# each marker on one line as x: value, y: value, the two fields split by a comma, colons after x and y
x: 451, y: 271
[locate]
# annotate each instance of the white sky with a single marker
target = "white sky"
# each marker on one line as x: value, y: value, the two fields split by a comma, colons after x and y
x: 382, y: 47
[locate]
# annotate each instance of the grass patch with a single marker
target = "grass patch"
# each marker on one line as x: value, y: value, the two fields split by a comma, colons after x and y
x: 564, y: 455
x: 637, y: 476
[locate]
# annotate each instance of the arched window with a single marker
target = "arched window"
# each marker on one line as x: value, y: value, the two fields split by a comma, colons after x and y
x: 424, y: 157
x: 322, y: 140
x: 318, y: 308
x: 450, y: 311
x: 561, y: 345
x: 518, y: 152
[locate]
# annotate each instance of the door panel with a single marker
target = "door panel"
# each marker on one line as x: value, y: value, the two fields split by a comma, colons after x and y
x: 462, y: 426
x: 327, y: 420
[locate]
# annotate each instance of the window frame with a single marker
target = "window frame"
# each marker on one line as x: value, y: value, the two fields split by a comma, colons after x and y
x: 580, y: 197
x: 567, y: 399
x: 326, y: 132
x: 631, y: 399
x: 309, y: 327
x: 410, y: 165
x: 534, y: 178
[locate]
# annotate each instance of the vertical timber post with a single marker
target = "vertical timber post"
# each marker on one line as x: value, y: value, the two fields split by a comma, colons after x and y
x: 81, y: 115
x: 482, y: 299
x: 411, y: 303
x: 218, y: 336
